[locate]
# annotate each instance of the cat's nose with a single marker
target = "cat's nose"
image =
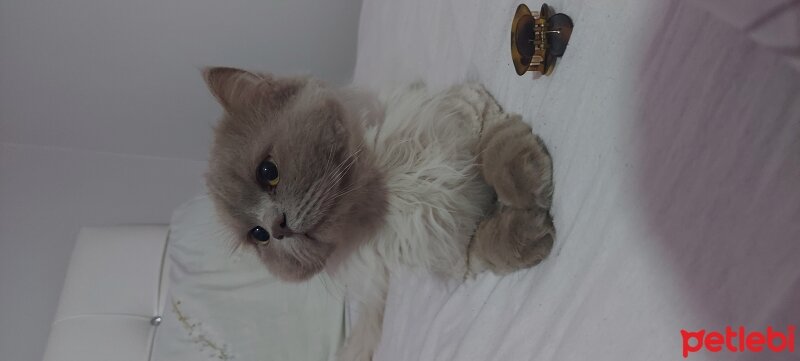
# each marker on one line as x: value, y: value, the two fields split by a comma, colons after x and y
x: 279, y: 227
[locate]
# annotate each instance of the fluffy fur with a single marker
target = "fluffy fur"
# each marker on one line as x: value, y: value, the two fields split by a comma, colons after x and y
x: 446, y: 183
x: 330, y: 193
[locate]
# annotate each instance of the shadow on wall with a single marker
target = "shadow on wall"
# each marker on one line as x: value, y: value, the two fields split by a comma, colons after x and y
x: 719, y: 133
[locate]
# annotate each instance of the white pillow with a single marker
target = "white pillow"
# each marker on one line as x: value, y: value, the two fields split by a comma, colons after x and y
x: 224, y: 305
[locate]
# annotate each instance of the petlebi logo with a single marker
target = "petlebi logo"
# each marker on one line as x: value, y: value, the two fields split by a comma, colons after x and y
x: 739, y: 340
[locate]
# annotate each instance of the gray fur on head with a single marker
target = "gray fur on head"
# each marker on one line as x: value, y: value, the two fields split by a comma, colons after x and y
x: 329, y: 191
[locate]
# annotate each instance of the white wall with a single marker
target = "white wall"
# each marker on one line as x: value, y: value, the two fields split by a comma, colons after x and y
x: 104, y: 119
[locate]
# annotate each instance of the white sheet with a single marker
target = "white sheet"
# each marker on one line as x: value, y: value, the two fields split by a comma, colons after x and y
x: 676, y: 142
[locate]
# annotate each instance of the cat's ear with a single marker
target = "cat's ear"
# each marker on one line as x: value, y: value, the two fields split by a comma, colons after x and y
x: 232, y: 87
x: 238, y: 89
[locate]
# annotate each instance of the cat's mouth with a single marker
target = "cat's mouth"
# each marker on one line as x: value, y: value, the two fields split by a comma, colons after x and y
x: 316, y: 232
x: 296, y: 258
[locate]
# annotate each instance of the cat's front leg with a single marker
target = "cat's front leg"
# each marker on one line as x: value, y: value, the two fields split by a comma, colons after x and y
x: 365, y: 336
x: 367, y: 286
x: 519, y: 233
x: 516, y: 163
x: 511, y: 239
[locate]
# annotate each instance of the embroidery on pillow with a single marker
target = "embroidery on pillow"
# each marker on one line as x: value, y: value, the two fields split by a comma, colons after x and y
x: 199, y: 336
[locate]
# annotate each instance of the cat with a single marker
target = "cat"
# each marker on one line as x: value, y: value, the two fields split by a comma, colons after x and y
x: 314, y: 178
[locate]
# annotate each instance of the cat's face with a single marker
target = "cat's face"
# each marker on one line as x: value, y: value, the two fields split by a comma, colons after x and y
x: 285, y: 171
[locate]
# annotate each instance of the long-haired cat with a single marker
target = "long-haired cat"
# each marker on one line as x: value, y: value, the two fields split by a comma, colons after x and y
x: 315, y: 178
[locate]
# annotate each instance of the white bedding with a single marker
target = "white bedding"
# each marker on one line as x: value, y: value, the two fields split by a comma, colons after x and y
x: 676, y: 142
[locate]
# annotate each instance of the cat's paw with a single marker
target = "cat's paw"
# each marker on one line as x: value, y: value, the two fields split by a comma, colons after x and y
x: 516, y: 163
x: 511, y: 239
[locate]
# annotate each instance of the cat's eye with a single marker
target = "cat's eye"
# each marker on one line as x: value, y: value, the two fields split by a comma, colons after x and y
x: 267, y: 174
x: 259, y: 234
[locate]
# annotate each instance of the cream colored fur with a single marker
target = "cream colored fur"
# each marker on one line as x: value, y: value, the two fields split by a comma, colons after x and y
x: 426, y: 145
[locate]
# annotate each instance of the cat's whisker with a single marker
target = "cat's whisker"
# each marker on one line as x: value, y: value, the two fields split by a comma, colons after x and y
x: 358, y: 150
x: 329, y: 158
x: 334, y: 178
x: 339, y: 175
x: 309, y: 197
x: 351, y: 159
x: 334, y: 197
x: 338, y: 166
x: 344, y: 192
